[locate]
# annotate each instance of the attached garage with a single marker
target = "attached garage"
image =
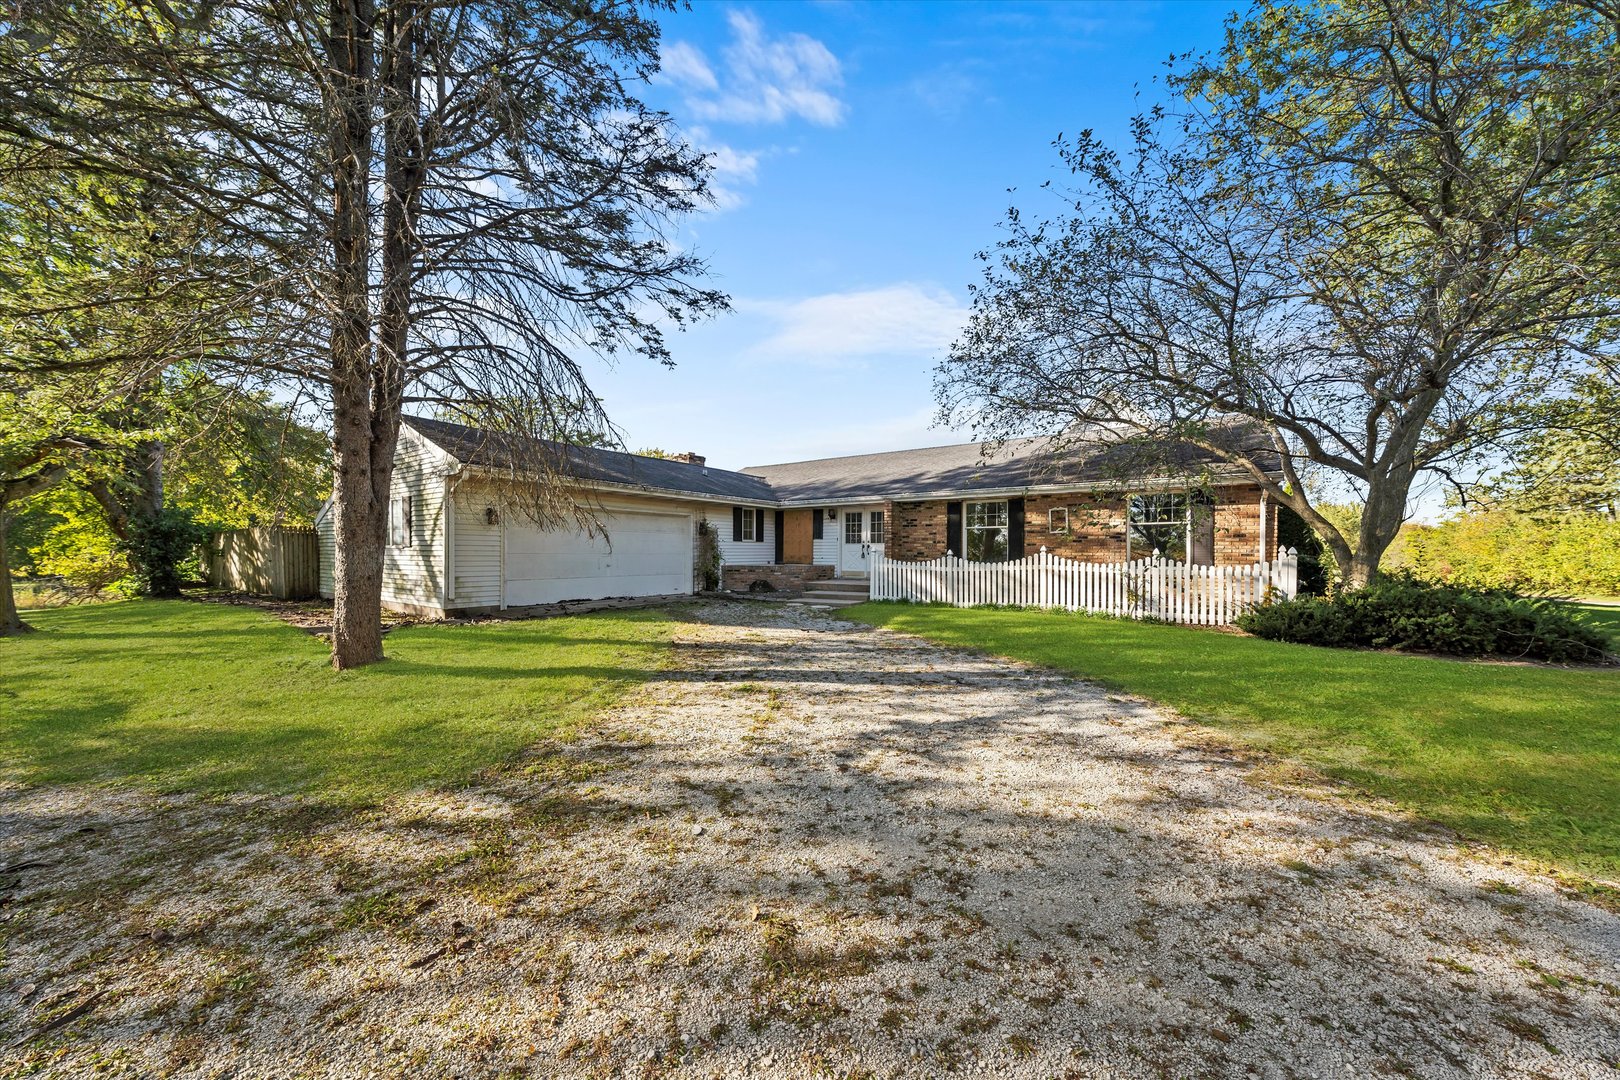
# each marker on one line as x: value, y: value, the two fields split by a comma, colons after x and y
x: 458, y: 541
x: 637, y: 554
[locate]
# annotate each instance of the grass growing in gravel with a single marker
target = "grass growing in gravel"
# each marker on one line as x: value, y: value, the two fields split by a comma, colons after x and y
x: 1525, y: 757
x: 188, y: 696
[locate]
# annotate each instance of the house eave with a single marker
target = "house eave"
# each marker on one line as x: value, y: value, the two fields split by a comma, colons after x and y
x: 634, y: 489
x: 1226, y: 479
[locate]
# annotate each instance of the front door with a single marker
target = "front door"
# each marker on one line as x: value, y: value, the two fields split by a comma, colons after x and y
x: 854, y: 557
x: 859, y: 530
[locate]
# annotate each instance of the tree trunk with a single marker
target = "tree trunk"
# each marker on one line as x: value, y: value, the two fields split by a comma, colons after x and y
x: 10, y: 622
x: 359, y: 500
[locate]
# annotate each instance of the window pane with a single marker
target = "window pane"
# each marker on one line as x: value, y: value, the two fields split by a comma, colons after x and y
x: 1169, y: 540
x: 987, y: 545
x: 877, y: 527
x: 1164, y: 509
x: 986, y: 514
x: 852, y: 527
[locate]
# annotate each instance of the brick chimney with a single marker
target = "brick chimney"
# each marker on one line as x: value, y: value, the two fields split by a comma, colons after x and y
x: 689, y: 457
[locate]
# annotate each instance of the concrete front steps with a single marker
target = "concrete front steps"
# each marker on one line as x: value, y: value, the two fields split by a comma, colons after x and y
x: 836, y: 593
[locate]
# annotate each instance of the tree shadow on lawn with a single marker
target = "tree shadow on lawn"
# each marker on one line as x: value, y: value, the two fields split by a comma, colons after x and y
x: 257, y: 708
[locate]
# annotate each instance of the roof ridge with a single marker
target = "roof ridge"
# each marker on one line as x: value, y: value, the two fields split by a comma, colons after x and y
x: 904, y: 450
x: 576, y: 446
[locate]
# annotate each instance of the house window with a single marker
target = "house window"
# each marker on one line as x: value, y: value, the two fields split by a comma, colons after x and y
x: 1057, y: 520
x: 876, y: 528
x: 745, y: 525
x: 1158, y: 523
x: 399, y: 522
x: 986, y: 525
x: 852, y: 526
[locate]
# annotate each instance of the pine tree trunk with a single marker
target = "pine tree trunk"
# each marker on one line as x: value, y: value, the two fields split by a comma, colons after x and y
x: 10, y: 622
x: 359, y: 502
x: 358, y: 546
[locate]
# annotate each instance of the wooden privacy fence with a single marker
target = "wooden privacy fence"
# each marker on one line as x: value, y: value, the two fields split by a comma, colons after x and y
x: 1146, y: 588
x: 280, y: 562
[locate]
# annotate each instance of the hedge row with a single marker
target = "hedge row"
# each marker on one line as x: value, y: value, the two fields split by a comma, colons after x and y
x: 1403, y: 612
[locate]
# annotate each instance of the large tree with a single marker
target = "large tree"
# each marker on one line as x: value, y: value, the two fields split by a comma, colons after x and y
x: 445, y: 201
x: 1570, y: 465
x: 1375, y: 233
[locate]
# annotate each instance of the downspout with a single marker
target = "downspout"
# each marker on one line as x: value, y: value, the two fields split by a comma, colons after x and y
x: 1264, y: 515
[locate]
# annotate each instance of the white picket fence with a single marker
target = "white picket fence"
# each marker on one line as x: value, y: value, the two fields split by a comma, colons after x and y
x: 1146, y: 588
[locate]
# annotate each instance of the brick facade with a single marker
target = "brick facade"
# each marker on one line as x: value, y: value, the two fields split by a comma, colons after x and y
x: 1096, y: 531
x: 789, y: 579
x: 916, y: 531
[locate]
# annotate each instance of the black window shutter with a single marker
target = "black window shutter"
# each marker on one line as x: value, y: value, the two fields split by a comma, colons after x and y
x: 759, y: 525
x: 779, y: 536
x: 815, y: 525
x: 1015, y: 528
x: 736, y: 522
x: 953, y: 529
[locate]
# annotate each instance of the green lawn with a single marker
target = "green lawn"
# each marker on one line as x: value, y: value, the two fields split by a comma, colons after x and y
x: 1525, y: 757
x: 1605, y: 617
x: 180, y: 695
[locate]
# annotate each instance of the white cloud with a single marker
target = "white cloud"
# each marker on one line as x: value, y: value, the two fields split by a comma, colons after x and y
x: 837, y: 328
x: 732, y: 164
x: 766, y: 80
x: 685, y: 65
x: 734, y: 169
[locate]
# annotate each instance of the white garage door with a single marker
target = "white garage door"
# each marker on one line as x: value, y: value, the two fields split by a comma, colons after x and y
x: 642, y: 555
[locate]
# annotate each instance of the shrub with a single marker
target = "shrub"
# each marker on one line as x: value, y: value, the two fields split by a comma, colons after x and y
x: 161, y: 547
x: 709, y: 555
x: 1403, y: 612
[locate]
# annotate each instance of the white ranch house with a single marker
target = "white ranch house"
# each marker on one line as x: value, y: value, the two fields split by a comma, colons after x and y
x: 958, y: 523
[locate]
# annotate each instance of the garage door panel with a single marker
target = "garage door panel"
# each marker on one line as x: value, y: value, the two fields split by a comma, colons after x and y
x: 642, y: 555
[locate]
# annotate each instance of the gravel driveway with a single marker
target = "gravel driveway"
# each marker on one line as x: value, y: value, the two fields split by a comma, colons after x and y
x: 809, y: 848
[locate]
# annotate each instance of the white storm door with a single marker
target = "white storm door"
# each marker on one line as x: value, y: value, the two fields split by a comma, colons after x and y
x: 853, y: 550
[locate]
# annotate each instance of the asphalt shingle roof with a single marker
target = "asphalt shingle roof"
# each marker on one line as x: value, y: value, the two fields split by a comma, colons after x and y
x: 929, y: 472
x: 965, y: 468
x: 491, y: 449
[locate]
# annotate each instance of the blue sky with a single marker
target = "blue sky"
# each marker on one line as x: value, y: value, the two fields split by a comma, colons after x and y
x: 864, y: 154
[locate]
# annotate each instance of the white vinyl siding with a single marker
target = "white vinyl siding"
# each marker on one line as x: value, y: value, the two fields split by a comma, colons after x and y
x: 413, y: 573
x: 824, y: 552
x: 326, y: 539
x: 477, y: 559
x: 745, y: 552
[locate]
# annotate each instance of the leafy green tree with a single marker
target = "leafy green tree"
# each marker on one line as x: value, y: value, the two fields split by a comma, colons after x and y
x: 97, y: 307
x: 451, y: 202
x: 1372, y: 227
x: 1569, y: 465
x: 1570, y: 556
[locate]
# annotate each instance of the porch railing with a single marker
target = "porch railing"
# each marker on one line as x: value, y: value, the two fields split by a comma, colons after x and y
x: 1146, y: 588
